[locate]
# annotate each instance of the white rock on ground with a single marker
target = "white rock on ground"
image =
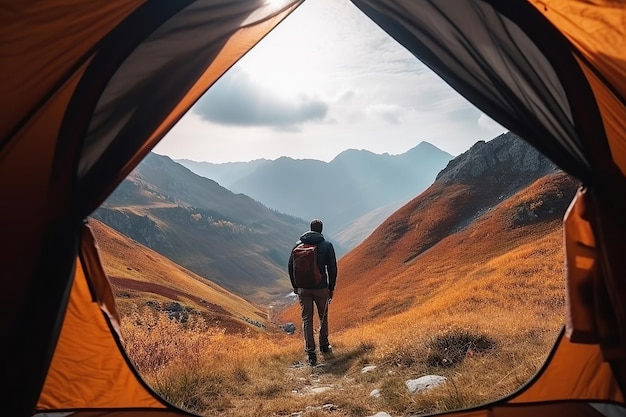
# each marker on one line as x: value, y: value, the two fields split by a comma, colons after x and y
x: 329, y: 407
x: 368, y: 368
x: 425, y: 383
x: 380, y: 414
x: 319, y: 390
x: 375, y: 393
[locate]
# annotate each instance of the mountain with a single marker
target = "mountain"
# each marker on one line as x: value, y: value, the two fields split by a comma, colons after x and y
x: 499, y: 200
x: 339, y: 192
x: 225, y: 173
x: 227, y: 238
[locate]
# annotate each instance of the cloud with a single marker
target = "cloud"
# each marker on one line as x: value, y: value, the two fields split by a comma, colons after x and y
x: 236, y: 101
x: 489, y: 125
x: 389, y: 113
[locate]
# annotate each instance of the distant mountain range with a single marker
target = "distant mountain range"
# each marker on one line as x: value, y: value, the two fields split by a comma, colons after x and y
x: 356, y: 183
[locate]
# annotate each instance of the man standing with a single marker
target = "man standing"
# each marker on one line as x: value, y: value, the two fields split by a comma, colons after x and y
x: 320, y: 293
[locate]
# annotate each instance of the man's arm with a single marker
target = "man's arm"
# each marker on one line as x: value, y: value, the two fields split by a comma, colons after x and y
x: 290, y: 270
x: 331, y: 267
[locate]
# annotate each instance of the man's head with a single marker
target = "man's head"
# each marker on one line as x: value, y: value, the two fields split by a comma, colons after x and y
x: 317, y: 225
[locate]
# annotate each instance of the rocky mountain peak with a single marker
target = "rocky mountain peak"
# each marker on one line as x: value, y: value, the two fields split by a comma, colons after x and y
x: 507, y: 152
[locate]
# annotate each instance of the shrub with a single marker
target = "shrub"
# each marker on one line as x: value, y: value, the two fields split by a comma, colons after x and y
x: 451, y: 348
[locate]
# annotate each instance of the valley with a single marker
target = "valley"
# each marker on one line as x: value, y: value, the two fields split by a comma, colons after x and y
x: 437, y: 288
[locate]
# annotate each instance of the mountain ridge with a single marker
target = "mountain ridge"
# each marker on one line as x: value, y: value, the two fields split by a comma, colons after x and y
x: 351, y: 185
x: 198, y: 224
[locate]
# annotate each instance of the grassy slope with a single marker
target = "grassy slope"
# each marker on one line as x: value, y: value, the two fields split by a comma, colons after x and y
x: 411, y: 262
x: 140, y: 275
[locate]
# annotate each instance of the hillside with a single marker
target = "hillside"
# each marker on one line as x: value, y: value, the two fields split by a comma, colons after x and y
x: 228, y: 238
x: 411, y: 270
x: 141, y: 277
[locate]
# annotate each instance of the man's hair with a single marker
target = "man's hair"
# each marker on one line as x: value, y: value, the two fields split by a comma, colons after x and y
x: 317, y: 225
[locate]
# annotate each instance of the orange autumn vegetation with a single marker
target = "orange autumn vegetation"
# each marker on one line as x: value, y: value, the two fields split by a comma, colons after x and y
x: 409, y: 262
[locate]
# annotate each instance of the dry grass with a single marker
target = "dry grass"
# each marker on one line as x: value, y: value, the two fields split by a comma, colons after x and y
x: 205, y: 371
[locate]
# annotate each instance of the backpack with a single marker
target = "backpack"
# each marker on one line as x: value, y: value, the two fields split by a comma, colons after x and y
x: 306, y: 272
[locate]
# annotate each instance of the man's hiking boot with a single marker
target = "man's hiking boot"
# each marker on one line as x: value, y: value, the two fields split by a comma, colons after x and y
x: 311, y: 359
x: 328, y: 349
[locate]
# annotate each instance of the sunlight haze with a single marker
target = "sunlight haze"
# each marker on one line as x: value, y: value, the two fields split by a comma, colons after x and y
x: 325, y: 80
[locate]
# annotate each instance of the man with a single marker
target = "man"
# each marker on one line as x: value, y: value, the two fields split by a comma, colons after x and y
x: 318, y: 294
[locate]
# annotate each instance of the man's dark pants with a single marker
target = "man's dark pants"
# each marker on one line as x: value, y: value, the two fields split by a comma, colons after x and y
x: 307, y: 298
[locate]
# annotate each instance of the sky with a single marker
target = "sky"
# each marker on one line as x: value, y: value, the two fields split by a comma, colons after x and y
x: 325, y: 80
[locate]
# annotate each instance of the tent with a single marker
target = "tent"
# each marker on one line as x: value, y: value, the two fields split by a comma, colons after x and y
x: 89, y: 87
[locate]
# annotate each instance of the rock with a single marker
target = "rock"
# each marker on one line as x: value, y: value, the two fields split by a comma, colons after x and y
x: 368, y: 368
x: 319, y: 390
x: 174, y: 307
x: 375, y: 393
x: 425, y: 383
x: 380, y: 414
x: 288, y: 328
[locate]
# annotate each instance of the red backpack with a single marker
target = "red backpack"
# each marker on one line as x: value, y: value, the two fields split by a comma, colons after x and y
x: 306, y: 272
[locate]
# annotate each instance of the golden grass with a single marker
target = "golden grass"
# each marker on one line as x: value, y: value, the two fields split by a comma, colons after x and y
x: 205, y: 371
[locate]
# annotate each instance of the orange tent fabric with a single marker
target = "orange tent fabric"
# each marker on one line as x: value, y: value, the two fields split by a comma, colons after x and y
x: 84, y: 100
x: 70, y: 69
